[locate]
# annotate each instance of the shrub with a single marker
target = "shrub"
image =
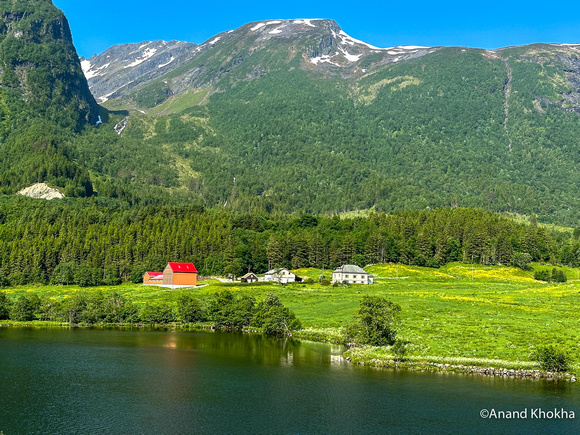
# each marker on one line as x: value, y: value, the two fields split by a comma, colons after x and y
x: 274, y: 317
x: 5, y: 306
x: 400, y: 349
x: 189, y: 310
x: 559, y: 275
x: 229, y: 312
x: 377, y: 321
x: 25, y: 308
x: 552, y: 359
x: 157, y: 313
x: 542, y: 275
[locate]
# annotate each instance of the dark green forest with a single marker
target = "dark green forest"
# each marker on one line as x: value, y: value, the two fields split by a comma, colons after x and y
x: 92, y: 242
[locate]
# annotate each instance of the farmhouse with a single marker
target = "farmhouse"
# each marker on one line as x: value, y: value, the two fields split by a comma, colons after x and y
x: 152, y: 278
x: 351, y: 274
x: 249, y: 277
x: 180, y: 274
x: 280, y: 275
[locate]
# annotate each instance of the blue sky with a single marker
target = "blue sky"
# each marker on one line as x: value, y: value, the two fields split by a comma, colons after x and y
x: 101, y: 24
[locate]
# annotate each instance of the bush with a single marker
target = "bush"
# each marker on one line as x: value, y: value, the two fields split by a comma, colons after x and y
x: 5, y: 306
x: 559, y: 275
x: 552, y: 359
x: 274, y: 317
x: 229, y: 312
x: 189, y: 310
x: 542, y: 275
x: 157, y: 313
x: 25, y: 308
x: 400, y: 349
x: 377, y: 321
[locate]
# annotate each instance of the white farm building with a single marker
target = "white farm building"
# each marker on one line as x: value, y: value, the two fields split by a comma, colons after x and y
x: 351, y: 274
x: 281, y: 276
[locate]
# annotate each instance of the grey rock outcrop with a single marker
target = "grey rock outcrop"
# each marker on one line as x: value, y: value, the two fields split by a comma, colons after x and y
x: 121, y: 68
x: 41, y: 191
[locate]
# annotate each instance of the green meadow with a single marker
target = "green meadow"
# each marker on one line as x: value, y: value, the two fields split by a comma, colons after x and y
x: 457, y: 311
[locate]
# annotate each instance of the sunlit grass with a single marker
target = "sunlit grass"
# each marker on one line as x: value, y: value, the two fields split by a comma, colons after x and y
x: 494, y: 313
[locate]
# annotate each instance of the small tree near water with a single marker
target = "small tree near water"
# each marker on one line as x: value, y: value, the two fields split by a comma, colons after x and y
x: 552, y: 359
x: 377, y: 321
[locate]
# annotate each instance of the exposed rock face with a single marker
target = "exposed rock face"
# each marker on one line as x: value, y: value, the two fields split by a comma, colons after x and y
x: 255, y: 48
x: 41, y: 191
x: 122, y: 67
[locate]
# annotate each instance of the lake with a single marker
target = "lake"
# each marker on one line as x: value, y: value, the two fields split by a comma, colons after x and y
x: 138, y: 381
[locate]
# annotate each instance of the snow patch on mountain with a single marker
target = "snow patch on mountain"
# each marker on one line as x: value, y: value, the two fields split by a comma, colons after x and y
x: 352, y: 41
x: 277, y: 30
x: 257, y: 26
x: 350, y: 57
x: 88, y: 70
x: 165, y: 64
x: 306, y: 21
x: 323, y: 59
x: 105, y: 98
x: 147, y: 54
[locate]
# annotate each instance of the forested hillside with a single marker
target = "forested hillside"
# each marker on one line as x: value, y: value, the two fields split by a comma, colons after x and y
x: 291, y: 116
x: 263, y: 120
x: 41, y: 241
x: 44, y: 99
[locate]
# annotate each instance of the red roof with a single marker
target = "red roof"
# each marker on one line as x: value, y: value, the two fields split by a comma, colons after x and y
x: 154, y: 274
x: 183, y: 267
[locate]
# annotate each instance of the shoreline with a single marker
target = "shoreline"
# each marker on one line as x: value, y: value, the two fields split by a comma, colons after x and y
x: 362, y: 356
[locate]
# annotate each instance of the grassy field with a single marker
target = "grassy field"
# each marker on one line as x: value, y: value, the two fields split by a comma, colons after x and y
x: 484, y: 312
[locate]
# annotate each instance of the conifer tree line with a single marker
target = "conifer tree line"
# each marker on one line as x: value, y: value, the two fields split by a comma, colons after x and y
x: 90, y: 243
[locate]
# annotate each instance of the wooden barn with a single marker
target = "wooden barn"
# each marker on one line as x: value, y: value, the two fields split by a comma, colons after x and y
x: 182, y: 274
x: 153, y: 278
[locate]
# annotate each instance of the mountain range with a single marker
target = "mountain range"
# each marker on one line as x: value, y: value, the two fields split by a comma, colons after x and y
x: 293, y: 115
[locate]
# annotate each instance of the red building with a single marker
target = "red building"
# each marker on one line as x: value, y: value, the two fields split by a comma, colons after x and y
x: 180, y: 274
x: 153, y: 278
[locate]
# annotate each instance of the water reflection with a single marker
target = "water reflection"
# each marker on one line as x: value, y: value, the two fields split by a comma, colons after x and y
x: 86, y: 381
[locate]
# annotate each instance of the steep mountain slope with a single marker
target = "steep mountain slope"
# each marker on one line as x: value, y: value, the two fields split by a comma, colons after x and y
x: 119, y: 69
x: 297, y: 114
x: 44, y: 98
x: 320, y: 45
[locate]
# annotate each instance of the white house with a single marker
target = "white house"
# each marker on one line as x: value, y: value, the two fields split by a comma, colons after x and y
x: 351, y: 274
x: 280, y: 275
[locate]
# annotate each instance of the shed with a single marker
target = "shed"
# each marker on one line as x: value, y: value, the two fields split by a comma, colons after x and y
x: 153, y: 278
x: 182, y: 274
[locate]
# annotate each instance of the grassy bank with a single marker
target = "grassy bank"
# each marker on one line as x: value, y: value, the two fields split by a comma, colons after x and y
x: 480, y: 313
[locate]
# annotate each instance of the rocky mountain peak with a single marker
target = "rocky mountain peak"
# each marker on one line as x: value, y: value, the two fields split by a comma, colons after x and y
x: 122, y: 67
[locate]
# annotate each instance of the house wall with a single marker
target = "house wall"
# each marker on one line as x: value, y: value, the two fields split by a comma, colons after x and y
x: 350, y: 278
x: 167, y: 275
x: 183, y: 278
x: 283, y: 277
x: 146, y: 279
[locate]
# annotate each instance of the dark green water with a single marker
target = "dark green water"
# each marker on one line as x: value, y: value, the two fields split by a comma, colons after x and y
x: 125, y: 382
